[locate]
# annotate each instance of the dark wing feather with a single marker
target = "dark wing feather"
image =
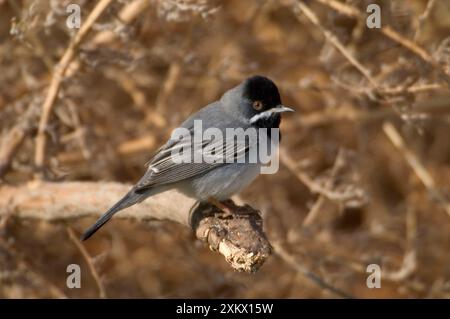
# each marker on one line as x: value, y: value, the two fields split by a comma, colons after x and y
x: 163, y: 169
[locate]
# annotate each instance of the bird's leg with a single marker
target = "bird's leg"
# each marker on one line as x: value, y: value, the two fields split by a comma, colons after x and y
x: 227, y: 210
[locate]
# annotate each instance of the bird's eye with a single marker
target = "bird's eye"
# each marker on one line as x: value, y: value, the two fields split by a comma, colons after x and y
x: 257, y: 105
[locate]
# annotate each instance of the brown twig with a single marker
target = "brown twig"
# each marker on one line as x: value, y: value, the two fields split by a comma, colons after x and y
x: 74, y: 238
x: 410, y: 45
x: 126, y: 15
x: 336, y: 43
x: 312, y: 185
x: 419, y: 88
x: 409, y: 264
x: 14, y: 138
x: 291, y: 261
x: 348, y: 114
x: 388, y: 128
x: 169, y: 84
x: 127, y: 148
x: 417, y: 166
x: 314, y: 211
x: 57, y: 78
x: 421, y: 19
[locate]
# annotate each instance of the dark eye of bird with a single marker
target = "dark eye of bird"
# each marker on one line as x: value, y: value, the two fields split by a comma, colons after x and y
x: 257, y: 105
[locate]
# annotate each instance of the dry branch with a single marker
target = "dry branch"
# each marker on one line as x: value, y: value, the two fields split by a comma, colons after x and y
x: 315, y: 209
x: 58, y: 76
x: 386, y: 30
x: 238, y: 238
x: 89, y: 261
x: 417, y: 166
x: 67, y: 66
x: 409, y: 264
x: 291, y: 261
x: 313, y: 186
x: 14, y: 139
x: 336, y: 43
x: 127, y: 14
x: 388, y: 128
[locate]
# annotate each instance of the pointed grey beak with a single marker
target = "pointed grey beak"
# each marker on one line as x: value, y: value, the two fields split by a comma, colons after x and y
x: 266, y: 114
x: 281, y: 108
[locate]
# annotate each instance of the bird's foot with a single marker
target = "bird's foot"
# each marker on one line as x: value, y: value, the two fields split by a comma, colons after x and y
x: 229, y: 208
x: 227, y: 211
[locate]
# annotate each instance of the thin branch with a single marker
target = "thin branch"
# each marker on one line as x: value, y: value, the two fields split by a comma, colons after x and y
x: 126, y: 15
x: 74, y: 238
x: 290, y: 260
x: 336, y: 43
x: 423, y: 17
x: 410, y: 45
x: 409, y: 264
x: 126, y: 148
x: 169, y: 84
x: 414, y: 162
x: 314, y: 211
x: 312, y: 185
x: 388, y: 128
x: 58, y: 76
x: 15, y: 137
x: 419, y: 88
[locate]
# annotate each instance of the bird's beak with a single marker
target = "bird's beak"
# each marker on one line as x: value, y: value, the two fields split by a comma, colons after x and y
x: 281, y: 108
x: 266, y: 114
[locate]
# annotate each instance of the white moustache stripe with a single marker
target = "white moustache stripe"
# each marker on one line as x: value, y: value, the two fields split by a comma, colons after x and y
x: 263, y: 115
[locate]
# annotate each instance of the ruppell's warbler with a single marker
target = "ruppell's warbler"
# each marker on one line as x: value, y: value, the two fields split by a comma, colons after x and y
x: 253, y: 104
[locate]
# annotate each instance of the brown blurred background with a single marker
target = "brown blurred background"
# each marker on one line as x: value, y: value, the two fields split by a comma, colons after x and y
x: 345, y: 196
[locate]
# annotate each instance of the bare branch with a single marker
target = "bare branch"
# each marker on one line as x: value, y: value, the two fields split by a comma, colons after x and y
x: 15, y: 137
x: 89, y: 261
x: 239, y: 237
x: 58, y: 76
x: 409, y: 264
x: 418, y: 168
x: 290, y: 260
x: 410, y: 45
x: 313, y: 186
x: 314, y: 211
x: 336, y: 43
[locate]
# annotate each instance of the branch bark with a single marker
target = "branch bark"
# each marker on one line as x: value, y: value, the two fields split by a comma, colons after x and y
x: 239, y: 238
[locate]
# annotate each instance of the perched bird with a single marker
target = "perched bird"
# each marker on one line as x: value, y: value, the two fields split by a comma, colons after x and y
x: 255, y: 103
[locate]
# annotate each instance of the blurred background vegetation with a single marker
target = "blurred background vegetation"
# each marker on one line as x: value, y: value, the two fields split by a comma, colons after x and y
x: 347, y: 193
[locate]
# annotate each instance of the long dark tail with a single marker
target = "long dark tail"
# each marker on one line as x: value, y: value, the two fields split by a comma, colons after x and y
x: 128, y: 200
